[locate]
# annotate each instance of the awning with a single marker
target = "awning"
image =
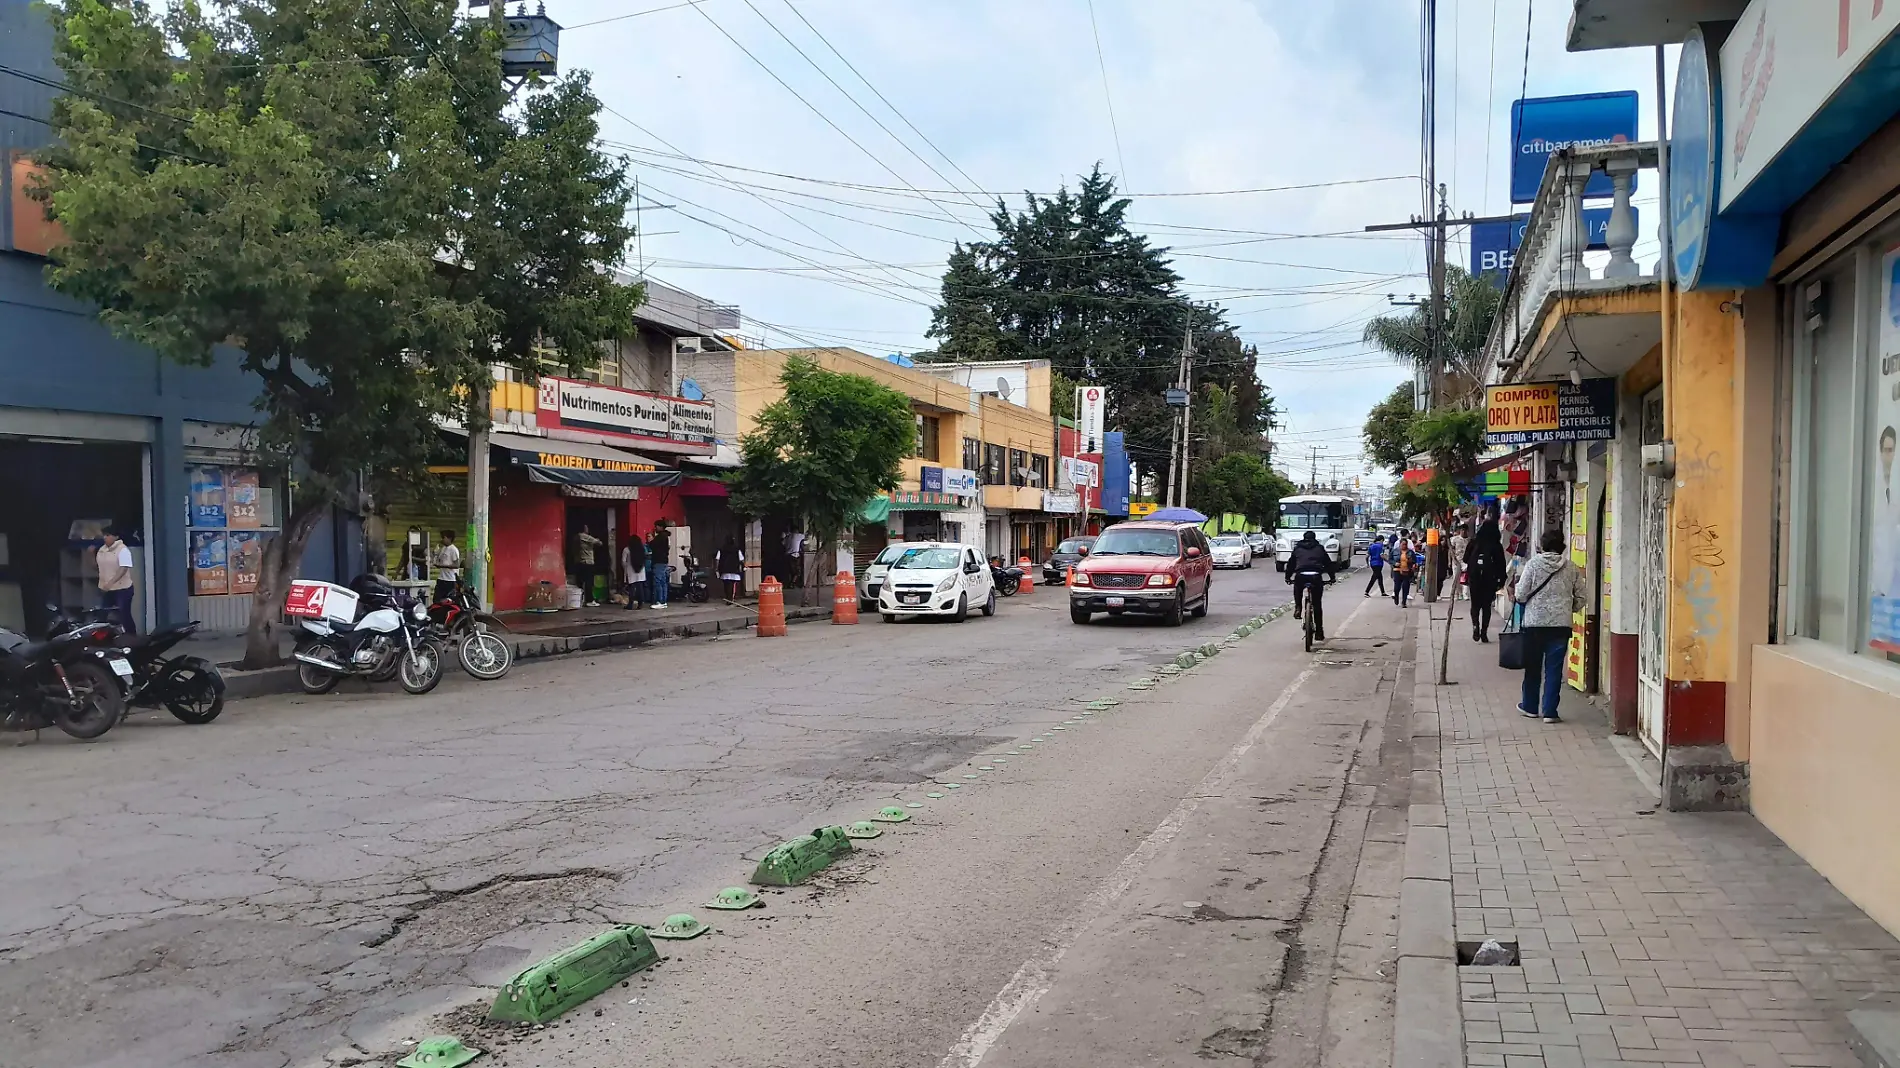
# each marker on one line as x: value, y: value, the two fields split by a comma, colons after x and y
x: 575, y: 463
x: 600, y: 493
x: 876, y: 510
x: 724, y: 458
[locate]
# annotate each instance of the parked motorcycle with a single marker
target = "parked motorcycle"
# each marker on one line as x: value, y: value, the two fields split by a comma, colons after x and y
x: 69, y: 681
x: 388, y: 635
x: 698, y: 583
x: 1006, y: 578
x: 191, y: 688
x: 471, y: 631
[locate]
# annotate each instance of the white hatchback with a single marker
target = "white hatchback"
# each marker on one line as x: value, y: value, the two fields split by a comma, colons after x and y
x: 935, y: 578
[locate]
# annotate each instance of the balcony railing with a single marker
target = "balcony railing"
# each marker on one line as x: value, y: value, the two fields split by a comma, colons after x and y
x: 1549, y: 262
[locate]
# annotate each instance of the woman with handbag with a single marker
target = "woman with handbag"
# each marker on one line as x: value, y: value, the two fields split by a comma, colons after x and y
x: 1547, y: 595
x: 1484, y: 574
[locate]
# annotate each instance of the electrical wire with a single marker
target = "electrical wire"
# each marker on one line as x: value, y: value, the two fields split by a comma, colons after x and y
x: 1101, y: 62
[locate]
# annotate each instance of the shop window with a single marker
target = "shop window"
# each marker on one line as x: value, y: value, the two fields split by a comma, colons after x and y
x: 972, y: 454
x: 995, y: 471
x: 234, y: 510
x: 927, y: 427
x: 1039, y: 471
x: 1018, y: 467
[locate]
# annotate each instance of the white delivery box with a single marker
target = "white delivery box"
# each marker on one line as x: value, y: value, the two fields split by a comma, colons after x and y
x: 310, y: 599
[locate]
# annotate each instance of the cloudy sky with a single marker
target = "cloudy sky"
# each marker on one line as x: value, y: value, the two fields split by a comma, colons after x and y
x: 813, y: 160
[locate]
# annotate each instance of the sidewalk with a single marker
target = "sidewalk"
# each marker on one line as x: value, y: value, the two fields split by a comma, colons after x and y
x: 1647, y: 937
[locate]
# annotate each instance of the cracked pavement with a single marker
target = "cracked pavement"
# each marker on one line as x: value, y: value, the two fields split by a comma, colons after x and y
x: 314, y: 880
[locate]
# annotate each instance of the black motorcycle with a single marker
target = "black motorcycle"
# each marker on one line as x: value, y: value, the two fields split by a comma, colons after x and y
x: 697, y: 585
x: 191, y: 688
x: 1006, y: 578
x: 69, y: 681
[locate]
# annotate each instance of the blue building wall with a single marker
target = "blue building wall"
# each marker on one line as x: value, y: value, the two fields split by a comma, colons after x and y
x: 1115, y: 473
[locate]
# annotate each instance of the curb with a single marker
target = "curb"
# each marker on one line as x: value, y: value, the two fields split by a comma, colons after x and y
x: 240, y: 685
x: 1427, y: 1030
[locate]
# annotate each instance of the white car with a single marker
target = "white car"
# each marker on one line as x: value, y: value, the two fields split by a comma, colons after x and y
x: 935, y: 578
x: 873, y: 579
x: 1232, y: 550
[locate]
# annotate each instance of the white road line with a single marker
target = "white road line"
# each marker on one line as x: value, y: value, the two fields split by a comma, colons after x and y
x: 1034, y: 978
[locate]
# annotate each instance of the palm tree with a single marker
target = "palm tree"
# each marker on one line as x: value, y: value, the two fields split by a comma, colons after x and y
x: 1471, y: 304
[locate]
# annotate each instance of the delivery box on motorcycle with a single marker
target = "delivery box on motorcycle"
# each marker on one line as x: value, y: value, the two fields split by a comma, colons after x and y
x: 311, y: 599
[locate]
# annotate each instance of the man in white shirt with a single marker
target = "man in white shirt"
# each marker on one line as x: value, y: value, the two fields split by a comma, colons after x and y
x: 448, y: 566
x: 115, y: 578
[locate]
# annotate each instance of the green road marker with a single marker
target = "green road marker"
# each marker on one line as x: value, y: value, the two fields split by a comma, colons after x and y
x: 680, y: 925
x: 1169, y: 669
x: 1102, y: 706
x: 545, y: 990
x: 1186, y: 660
x: 933, y: 793
x: 1025, y: 747
x: 1058, y: 728
x: 953, y: 786
x: 999, y: 760
x: 891, y: 814
x: 987, y: 767
x: 967, y: 778
x: 735, y: 899
x: 793, y: 862
x: 1210, y: 649
x: 440, y: 1051
x: 914, y: 804
x: 863, y: 829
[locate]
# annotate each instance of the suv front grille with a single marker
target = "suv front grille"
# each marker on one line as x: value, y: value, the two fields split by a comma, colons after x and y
x: 1118, y: 582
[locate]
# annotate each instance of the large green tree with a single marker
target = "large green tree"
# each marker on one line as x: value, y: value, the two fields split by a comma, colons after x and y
x: 320, y: 185
x: 1241, y: 484
x: 1388, y: 429
x: 1471, y: 305
x: 823, y: 450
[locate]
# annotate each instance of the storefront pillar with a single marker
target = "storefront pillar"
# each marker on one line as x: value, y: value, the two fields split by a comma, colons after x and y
x: 167, y: 581
x: 1704, y: 568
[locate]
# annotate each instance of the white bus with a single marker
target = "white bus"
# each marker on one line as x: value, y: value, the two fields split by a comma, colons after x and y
x: 1328, y: 516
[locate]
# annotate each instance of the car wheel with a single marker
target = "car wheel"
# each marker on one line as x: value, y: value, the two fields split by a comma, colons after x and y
x: 1079, y: 615
x: 1172, y: 617
x: 989, y: 606
x: 888, y: 617
x: 1207, y: 595
x: 963, y: 609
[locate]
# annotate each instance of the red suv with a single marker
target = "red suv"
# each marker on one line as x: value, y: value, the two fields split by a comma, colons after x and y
x: 1156, y: 569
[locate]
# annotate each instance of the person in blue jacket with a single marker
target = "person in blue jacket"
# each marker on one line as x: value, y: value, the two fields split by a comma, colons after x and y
x: 1375, y: 560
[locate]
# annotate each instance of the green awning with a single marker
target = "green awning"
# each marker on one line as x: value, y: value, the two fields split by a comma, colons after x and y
x: 876, y: 510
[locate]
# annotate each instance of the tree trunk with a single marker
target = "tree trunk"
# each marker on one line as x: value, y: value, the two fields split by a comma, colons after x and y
x: 282, y: 556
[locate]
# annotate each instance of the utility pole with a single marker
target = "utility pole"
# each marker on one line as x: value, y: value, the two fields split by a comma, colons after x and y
x: 481, y: 415
x: 1177, y: 431
x: 1187, y: 417
x: 1312, y: 478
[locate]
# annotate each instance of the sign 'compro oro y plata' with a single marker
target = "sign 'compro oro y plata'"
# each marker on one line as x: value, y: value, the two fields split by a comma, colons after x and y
x: 1538, y: 412
x: 589, y: 463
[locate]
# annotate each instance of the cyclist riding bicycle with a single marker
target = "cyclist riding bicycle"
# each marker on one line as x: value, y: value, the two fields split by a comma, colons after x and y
x: 1308, y: 569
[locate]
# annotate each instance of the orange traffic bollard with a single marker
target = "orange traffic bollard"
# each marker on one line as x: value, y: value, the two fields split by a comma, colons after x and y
x: 771, y: 609
x: 1023, y: 562
x: 844, y: 599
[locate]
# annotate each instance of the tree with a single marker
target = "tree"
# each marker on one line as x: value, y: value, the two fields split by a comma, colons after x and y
x: 1453, y: 438
x: 1471, y: 305
x: 1388, y: 430
x: 326, y: 186
x: 823, y: 450
x: 964, y: 324
x: 1239, y: 483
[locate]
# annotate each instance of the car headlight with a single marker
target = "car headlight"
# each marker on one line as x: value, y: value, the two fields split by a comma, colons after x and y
x: 1161, y: 580
x: 944, y: 586
x: 1079, y: 578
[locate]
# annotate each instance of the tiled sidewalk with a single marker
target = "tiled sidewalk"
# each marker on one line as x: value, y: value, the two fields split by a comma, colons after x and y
x: 1647, y: 937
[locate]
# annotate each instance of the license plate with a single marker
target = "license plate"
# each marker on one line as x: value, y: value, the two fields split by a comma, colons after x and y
x: 912, y: 598
x: 1115, y: 602
x: 121, y: 667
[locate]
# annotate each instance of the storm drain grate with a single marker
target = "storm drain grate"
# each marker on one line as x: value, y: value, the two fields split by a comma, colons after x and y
x: 1490, y: 953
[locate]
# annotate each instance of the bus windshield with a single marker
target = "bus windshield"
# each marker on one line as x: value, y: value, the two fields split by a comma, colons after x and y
x: 1313, y: 515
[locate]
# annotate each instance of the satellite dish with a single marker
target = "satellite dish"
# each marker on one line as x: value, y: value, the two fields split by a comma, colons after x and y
x: 1002, y: 387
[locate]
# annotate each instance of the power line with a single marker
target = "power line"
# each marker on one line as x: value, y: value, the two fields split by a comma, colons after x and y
x: 1101, y: 63
x: 633, y: 15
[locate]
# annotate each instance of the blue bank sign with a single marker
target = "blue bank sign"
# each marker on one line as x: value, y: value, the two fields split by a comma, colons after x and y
x: 1711, y: 251
x: 1544, y: 126
x: 1494, y: 245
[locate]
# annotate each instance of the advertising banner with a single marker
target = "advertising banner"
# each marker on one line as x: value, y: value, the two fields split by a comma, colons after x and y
x: 241, y: 499
x: 1538, y: 412
x: 961, y: 482
x: 246, y: 553
x: 1091, y: 416
x: 1080, y: 473
x: 1494, y: 245
x: 563, y: 403
x: 1061, y: 503
x: 207, y: 496
x: 1544, y: 126
x: 930, y: 479
x: 1883, y: 511
x: 209, y: 576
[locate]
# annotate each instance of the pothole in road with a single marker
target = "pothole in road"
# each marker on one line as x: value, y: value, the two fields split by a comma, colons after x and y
x: 894, y: 757
x: 458, y: 919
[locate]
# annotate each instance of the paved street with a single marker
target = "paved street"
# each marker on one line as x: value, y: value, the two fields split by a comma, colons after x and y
x: 322, y: 876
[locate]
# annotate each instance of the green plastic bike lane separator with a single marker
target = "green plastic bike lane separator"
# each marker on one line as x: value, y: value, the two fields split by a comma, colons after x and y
x: 562, y: 982
x: 793, y: 862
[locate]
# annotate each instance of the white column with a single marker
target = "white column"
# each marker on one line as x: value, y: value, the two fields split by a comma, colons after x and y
x: 1572, y: 238
x: 1621, y: 236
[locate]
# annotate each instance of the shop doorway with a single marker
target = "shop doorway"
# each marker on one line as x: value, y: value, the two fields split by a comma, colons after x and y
x: 594, y: 576
x: 66, y: 493
x: 1653, y: 587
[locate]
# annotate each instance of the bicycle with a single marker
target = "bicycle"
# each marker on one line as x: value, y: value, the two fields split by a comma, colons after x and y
x: 1310, y: 617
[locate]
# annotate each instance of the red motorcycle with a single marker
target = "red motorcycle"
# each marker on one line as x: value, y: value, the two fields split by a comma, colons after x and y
x: 483, y: 653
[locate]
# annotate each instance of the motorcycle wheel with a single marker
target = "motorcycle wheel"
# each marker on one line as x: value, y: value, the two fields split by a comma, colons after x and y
x: 421, y: 670
x: 387, y: 669
x: 486, y: 656
x: 699, y: 594
x: 313, y: 679
x: 191, y: 697
x: 102, y: 702
x: 1005, y: 589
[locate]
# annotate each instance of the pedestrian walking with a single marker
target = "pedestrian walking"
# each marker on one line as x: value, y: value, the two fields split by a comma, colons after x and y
x: 586, y: 566
x: 729, y: 561
x: 1455, y: 560
x: 115, y: 578
x: 1404, y: 572
x: 1484, y: 574
x: 659, y: 564
x: 448, y: 566
x: 1375, y: 561
x: 633, y: 571
x: 1549, y: 594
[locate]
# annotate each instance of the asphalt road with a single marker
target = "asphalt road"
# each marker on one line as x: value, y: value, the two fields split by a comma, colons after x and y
x: 1199, y: 873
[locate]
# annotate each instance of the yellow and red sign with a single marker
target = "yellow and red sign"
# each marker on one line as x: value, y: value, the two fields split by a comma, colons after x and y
x: 1520, y: 409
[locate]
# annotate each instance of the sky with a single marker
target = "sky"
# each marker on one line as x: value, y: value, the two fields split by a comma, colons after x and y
x: 812, y: 161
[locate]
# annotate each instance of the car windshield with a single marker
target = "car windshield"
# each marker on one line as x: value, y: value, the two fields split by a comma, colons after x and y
x: 1137, y: 543
x: 890, y: 554
x: 1312, y: 515
x: 1230, y: 541
x: 927, y: 560
x: 1074, y: 545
